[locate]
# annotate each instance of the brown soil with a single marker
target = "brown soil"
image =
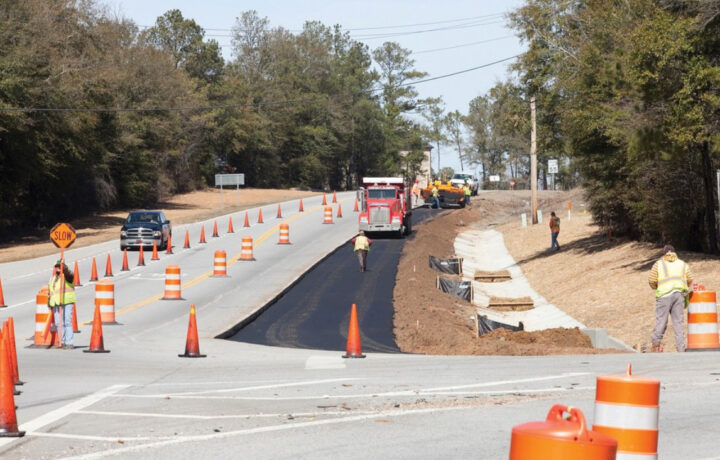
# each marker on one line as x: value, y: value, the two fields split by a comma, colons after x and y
x: 180, y: 209
x: 432, y: 322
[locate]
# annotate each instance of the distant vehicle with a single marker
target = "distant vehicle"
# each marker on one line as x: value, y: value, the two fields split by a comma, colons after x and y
x: 142, y: 228
x: 459, y: 179
x: 385, y: 206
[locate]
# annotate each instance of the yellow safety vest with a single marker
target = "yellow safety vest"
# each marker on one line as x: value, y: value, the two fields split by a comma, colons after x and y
x: 671, y: 276
x: 54, y: 292
x: 361, y: 242
x: 467, y: 190
x: 434, y: 191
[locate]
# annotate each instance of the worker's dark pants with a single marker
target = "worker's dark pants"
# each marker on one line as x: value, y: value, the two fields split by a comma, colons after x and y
x: 436, y: 202
x: 467, y: 199
x: 362, y: 257
x: 672, y: 305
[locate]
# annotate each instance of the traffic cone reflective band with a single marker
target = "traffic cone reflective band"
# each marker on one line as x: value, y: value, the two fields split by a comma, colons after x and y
x: 43, y: 315
x: 168, y: 248
x: 75, y: 327
x: 172, y: 283
x: 247, y: 220
x: 187, y: 240
x: 97, y: 345
x: 355, y: 209
x: 108, y: 267
x: 2, y: 297
x: 192, y: 344
x: 327, y: 218
x: 93, y: 271
x: 8, y: 418
x: 301, y: 208
x: 76, y: 280
x: 220, y: 263
x: 284, y: 234
x: 125, y: 266
x: 260, y: 219
x: 105, y: 299
x: 334, y: 197
x: 230, y: 226
x: 246, y: 250
x: 215, y: 231
x: 155, y: 255
x: 202, y: 234
x: 626, y: 408
x: 702, y: 322
x: 16, y: 373
x: 353, y: 348
x: 339, y: 213
x: 279, y: 213
x: 141, y: 257
x: 324, y: 201
x: 560, y: 438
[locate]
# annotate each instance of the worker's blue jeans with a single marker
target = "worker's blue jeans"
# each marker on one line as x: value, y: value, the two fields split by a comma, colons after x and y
x: 436, y: 202
x: 554, y: 246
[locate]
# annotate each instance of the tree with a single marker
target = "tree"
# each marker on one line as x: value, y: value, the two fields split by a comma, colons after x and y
x: 454, y: 123
x: 434, y: 112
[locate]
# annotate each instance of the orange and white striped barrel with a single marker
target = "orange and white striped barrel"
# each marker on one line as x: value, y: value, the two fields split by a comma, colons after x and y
x: 702, y: 322
x: 327, y: 219
x: 172, y: 283
x: 42, y: 312
x: 220, y: 263
x: 284, y: 234
x: 246, y: 250
x: 105, y: 300
x: 626, y: 408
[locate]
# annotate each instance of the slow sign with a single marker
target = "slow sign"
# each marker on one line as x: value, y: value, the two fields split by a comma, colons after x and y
x: 63, y: 235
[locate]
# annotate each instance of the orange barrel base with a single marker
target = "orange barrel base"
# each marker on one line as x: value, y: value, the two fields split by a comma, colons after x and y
x: 560, y: 439
x: 703, y: 322
x: 42, y: 312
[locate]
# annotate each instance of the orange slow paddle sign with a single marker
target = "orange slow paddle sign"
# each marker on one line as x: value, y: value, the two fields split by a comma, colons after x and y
x: 63, y: 235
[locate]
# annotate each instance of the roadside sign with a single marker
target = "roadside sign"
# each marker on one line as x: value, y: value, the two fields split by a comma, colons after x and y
x: 63, y: 235
x: 229, y: 179
x: 552, y: 166
x: 494, y: 178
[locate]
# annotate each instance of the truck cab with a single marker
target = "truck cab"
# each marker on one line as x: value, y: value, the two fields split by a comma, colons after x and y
x: 385, y: 206
x: 142, y: 228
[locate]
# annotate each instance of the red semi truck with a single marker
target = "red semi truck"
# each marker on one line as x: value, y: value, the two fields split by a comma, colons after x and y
x: 385, y: 206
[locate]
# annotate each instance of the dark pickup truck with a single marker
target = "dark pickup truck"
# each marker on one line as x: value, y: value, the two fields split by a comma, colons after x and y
x: 141, y: 228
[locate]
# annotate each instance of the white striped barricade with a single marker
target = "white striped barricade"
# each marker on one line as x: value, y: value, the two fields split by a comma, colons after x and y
x: 246, y: 250
x: 172, y: 283
x: 626, y: 408
x: 327, y: 215
x: 105, y: 300
x: 220, y: 264
x: 702, y: 322
x: 284, y: 234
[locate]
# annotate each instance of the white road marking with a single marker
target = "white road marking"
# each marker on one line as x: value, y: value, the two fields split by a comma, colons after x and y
x: 257, y: 387
x: 324, y: 362
x: 215, y: 417
x: 506, y: 382
x: 97, y: 438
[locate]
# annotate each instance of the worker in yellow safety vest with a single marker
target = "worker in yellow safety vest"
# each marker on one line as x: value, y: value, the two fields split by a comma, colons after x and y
x: 362, y: 247
x: 671, y: 279
x: 61, y: 299
x: 468, y: 192
x: 436, y: 196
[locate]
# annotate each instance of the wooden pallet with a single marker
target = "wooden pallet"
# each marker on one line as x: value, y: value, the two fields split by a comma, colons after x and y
x: 503, y: 304
x: 492, y: 277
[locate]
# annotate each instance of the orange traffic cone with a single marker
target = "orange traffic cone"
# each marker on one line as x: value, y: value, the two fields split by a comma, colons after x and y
x: 8, y: 419
x: 192, y: 344
x: 301, y: 209
x: 141, y: 257
x: 125, y: 266
x: 96, y: 339
x: 355, y: 209
x: 168, y: 248
x: 260, y: 220
x: 93, y: 271
x: 339, y: 214
x: 11, y: 328
x: 324, y: 202
x: 76, y: 278
x: 108, y: 267
x: 187, y: 239
x: 353, y: 349
x: 279, y: 214
x: 155, y: 255
x: 247, y: 220
x: 230, y: 226
x: 75, y: 327
x: 202, y: 235
x: 215, y: 232
x: 2, y: 297
x: 5, y: 337
x: 334, y: 197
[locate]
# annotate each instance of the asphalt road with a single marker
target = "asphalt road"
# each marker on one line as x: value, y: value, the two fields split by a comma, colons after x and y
x: 315, y: 312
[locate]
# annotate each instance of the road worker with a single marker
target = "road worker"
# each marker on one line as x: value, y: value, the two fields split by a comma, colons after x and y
x: 62, y: 300
x: 415, y: 193
x: 554, y: 231
x: 362, y: 247
x: 436, y: 197
x: 671, y: 279
x: 468, y: 192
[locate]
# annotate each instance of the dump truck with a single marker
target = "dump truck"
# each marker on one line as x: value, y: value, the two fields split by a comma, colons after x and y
x: 385, y: 206
x: 448, y: 194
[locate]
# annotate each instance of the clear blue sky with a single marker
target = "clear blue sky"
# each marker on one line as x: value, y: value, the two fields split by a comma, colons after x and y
x: 464, y: 23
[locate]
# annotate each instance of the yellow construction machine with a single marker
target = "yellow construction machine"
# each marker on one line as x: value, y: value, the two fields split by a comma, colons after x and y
x: 448, y: 194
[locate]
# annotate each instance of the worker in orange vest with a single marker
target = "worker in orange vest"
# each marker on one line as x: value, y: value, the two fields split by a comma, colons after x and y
x: 415, y: 193
x: 554, y: 231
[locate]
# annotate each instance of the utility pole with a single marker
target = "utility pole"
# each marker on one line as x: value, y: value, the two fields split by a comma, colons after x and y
x: 533, y: 161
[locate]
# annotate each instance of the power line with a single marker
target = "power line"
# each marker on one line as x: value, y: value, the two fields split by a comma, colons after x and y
x: 463, y: 45
x: 233, y: 106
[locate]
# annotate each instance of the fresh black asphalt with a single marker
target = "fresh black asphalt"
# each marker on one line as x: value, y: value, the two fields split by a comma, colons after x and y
x: 315, y: 312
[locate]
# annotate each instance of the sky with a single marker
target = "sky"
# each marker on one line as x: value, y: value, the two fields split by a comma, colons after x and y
x: 445, y: 36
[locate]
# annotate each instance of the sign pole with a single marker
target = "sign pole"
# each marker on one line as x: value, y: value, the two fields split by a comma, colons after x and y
x: 533, y: 161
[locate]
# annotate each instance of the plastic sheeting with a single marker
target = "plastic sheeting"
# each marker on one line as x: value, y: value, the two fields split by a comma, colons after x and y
x: 486, y: 325
x: 460, y: 289
x: 451, y: 266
